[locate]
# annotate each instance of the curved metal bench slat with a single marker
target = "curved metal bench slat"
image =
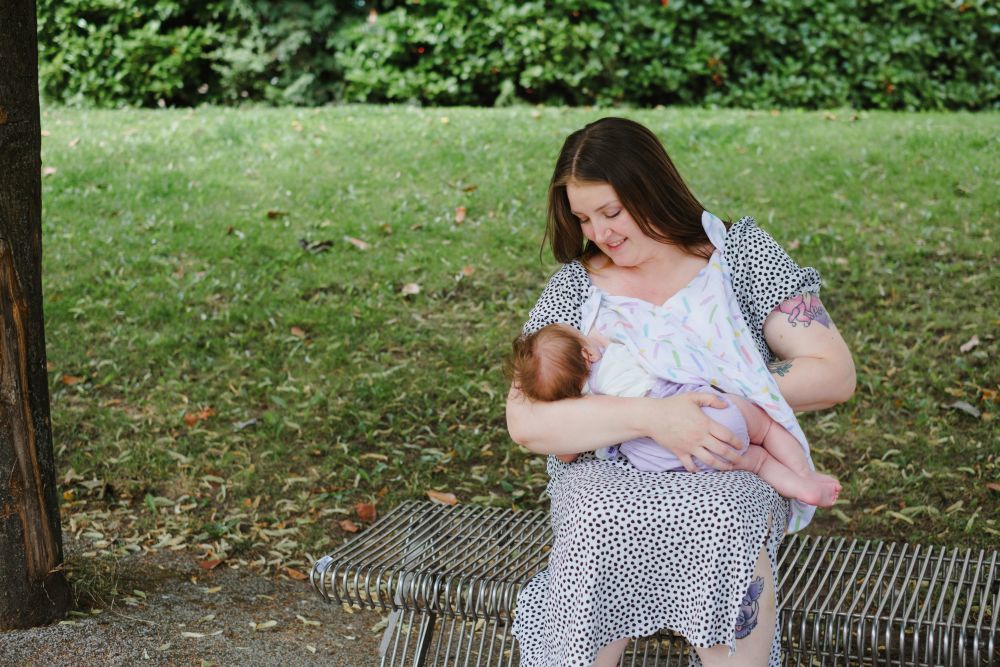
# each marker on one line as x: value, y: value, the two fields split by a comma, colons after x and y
x: 850, y: 602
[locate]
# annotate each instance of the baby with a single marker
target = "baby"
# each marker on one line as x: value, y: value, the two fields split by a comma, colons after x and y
x: 560, y: 362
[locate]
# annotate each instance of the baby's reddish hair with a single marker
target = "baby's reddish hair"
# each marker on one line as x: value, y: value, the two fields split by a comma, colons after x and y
x: 549, y: 365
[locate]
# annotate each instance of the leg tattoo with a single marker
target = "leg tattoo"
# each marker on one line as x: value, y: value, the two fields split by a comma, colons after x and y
x: 746, y: 621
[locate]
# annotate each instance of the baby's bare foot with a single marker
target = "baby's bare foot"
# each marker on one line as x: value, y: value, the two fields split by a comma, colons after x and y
x: 822, y: 490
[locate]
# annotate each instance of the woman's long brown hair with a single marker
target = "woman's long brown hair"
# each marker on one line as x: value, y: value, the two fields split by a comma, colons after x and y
x: 630, y: 158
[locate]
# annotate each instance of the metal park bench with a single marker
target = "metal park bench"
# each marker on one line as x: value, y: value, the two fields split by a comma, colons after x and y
x: 450, y: 577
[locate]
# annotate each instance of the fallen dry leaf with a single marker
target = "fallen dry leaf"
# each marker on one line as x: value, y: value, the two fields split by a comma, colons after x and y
x: 48, y: 171
x: 297, y: 575
x: 73, y: 142
x: 266, y: 625
x: 357, y: 243
x: 470, y: 188
x: 967, y: 408
x: 409, y: 289
x: 442, y: 498
x: 298, y: 332
x: 969, y: 344
x: 192, y: 418
x: 365, y: 511
x: 460, y: 214
x: 273, y: 213
x: 71, y: 380
x: 468, y: 270
x: 348, y: 525
x: 209, y: 564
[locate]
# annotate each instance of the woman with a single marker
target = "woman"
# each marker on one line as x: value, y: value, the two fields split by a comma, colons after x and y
x: 633, y: 551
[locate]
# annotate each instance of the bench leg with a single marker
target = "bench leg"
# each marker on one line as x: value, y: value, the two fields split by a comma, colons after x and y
x: 389, y: 633
x: 394, y: 655
x: 423, y: 639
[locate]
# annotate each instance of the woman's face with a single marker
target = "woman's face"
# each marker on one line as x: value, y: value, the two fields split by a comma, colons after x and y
x: 605, y: 221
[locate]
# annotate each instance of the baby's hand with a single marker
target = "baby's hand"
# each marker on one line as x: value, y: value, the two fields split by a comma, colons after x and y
x: 567, y: 458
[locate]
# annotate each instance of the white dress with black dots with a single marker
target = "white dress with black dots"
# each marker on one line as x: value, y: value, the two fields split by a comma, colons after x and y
x: 635, y: 552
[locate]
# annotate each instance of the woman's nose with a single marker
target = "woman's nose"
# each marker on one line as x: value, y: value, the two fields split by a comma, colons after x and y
x: 601, y: 229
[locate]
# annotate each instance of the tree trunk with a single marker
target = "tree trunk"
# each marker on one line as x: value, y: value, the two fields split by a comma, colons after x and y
x: 33, y: 589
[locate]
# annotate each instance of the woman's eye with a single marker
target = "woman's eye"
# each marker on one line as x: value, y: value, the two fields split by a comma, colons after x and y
x: 614, y: 214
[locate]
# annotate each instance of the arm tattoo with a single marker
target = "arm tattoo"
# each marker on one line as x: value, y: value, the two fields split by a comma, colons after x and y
x: 779, y: 367
x: 805, y: 308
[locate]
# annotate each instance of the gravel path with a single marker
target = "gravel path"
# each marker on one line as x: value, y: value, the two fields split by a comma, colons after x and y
x: 191, y: 616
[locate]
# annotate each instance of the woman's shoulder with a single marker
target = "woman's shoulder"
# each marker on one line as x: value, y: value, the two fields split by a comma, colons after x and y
x: 744, y: 234
x: 572, y: 274
x: 763, y: 275
x: 562, y: 299
x: 752, y: 250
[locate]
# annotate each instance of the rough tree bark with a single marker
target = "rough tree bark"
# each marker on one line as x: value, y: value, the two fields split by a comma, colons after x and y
x: 33, y: 589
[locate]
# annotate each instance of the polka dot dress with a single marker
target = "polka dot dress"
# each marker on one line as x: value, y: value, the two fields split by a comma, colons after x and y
x: 635, y: 552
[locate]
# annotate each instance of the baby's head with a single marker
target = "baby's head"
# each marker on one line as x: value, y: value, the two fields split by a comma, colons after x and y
x: 553, y: 363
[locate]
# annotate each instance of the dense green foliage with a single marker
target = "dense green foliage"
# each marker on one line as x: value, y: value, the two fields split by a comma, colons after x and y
x: 914, y: 54
x: 110, y: 53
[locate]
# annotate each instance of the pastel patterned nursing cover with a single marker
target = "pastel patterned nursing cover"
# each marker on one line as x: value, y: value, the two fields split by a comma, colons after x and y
x: 698, y: 336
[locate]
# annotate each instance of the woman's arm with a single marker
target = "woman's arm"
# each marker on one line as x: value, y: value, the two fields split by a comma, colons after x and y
x: 576, y: 425
x: 814, y: 368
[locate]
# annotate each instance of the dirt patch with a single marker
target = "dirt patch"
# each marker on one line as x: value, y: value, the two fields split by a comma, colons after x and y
x: 177, y: 613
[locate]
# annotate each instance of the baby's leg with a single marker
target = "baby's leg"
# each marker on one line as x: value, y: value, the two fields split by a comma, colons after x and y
x: 763, y: 430
x: 810, y: 488
x: 786, y: 467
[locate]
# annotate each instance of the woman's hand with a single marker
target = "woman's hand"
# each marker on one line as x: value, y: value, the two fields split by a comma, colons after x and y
x: 678, y: 425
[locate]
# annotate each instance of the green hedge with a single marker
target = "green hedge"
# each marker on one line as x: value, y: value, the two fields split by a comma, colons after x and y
x: 111, y: 53
x: 914, y: 54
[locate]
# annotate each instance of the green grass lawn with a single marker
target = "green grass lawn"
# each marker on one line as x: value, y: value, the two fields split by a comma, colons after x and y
x: 215, y: 384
